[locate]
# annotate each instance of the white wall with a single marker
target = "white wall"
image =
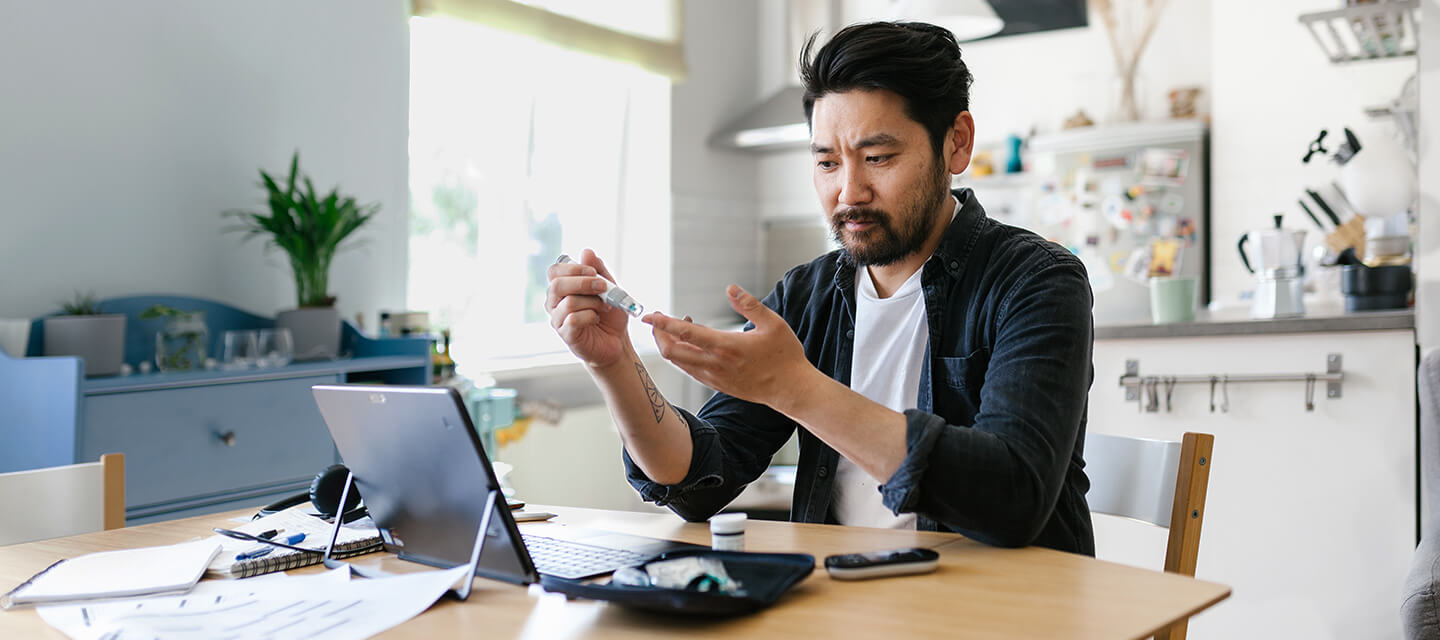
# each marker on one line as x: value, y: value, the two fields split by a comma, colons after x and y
x: 1039, y: 79
x: 716, y: 224
x: 1273, y: 91
x: 1427, y: 246
x: 126, y: 128
x: 1346, y: 470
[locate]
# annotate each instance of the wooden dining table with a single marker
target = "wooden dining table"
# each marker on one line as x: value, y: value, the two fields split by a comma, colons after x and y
x: 978, y: 591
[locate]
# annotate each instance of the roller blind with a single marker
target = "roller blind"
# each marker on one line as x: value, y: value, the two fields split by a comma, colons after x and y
x: 645, y: 33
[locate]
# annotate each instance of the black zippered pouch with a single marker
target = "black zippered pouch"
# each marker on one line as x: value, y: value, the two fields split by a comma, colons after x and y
x: 763, y: 577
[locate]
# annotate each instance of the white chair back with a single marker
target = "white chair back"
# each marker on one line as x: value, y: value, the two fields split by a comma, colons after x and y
x: 63, y: 501
x: 1132, y: 477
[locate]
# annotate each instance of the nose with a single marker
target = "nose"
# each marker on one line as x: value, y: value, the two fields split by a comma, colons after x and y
x: 855, y: 186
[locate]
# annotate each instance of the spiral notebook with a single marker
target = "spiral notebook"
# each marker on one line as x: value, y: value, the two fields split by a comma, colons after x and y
x: 355, y: 538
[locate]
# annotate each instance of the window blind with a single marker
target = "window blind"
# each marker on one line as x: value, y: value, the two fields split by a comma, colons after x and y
x: 645, y: 33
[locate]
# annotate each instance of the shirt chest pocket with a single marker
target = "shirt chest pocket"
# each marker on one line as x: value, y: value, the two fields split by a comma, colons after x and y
x: 958, y: 383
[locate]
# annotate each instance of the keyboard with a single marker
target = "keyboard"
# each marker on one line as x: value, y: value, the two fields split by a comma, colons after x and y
x: 574, y: 560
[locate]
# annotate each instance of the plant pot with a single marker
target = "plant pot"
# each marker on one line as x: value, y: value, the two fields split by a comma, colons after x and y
x: 99, y: 340
x: 314, y: 330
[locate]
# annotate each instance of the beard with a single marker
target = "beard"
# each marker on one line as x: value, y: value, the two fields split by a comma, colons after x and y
x: 892, y: 238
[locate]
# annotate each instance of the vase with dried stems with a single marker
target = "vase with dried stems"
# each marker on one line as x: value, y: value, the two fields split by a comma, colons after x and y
x: 1129, y: 24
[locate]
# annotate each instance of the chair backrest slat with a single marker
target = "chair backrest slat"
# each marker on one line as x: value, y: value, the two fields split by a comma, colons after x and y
x: 63, y: 501
x: 1131, y: 477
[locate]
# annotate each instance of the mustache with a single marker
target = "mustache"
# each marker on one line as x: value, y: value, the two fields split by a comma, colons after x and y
x: 859, y: 214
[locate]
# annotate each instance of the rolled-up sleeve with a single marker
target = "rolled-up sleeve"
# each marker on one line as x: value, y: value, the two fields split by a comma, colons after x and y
x: 705, y: 468
x: 901, y: 493
x: 732, y: 446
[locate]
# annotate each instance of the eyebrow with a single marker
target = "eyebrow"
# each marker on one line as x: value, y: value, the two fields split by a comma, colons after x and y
x: 877, y: 140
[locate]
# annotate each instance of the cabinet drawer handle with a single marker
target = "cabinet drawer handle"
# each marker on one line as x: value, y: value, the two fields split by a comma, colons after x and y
x: 228, y: 438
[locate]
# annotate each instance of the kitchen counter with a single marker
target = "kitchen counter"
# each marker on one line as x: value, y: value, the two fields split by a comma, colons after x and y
x: 1236, y: 321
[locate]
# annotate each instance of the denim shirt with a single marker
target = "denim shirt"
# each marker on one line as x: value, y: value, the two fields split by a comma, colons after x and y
x: 993, y: 451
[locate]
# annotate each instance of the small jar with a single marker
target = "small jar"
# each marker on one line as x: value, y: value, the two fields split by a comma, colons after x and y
x: 727, y: 532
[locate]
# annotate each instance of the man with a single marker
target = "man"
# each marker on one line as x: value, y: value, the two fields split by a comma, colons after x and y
x: 937, y: 365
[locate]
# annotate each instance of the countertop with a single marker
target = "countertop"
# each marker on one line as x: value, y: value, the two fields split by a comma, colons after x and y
x: 1236, y: 321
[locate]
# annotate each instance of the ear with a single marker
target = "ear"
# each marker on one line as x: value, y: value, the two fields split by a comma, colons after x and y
x: 960, y: 143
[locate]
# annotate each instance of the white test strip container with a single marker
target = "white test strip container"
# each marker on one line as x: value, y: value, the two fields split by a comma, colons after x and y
x: 727, y: 532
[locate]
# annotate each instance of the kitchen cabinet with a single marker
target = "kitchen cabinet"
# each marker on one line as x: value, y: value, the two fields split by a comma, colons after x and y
x: 1311, y: 515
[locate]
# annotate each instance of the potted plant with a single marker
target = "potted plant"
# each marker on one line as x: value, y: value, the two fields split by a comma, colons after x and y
x: 83, y: 329
x: 309, y: 227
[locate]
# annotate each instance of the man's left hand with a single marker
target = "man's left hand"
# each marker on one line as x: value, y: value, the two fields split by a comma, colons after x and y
x: 765, y: 365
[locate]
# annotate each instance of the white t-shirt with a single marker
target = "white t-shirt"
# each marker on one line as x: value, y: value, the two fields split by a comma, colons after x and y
x: 890, y: 338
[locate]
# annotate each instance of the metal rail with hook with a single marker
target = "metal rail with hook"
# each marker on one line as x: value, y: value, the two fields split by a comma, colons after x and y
x: 1145, y: 390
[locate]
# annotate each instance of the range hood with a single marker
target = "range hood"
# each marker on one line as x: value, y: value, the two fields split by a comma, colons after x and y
x: 779, y: 121
x: 776, y: 123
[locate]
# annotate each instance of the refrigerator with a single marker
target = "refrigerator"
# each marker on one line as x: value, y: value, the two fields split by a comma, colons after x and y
x: 1131, y: 200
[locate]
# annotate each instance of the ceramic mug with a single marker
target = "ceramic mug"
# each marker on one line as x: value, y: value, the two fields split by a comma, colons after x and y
x: 1172, y: 299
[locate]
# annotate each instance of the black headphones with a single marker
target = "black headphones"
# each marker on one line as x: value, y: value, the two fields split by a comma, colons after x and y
x: 324, y: 493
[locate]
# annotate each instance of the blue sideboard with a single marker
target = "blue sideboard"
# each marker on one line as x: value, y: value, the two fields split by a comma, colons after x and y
x: 198, y: 441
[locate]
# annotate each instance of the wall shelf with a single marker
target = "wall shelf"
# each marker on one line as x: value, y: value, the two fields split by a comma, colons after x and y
x: 1377, y: 31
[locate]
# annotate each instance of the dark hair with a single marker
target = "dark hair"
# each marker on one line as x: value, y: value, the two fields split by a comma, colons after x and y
x: 920, y: 62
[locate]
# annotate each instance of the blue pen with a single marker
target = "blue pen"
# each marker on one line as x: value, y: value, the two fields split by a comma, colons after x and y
x: 254, y: 553
x: 260, y: 552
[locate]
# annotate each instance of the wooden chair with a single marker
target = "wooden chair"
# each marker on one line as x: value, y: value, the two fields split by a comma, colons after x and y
x: 1155, y: 481
x: 63, y: 501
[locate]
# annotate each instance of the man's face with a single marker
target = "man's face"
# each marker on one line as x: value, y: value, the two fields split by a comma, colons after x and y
x: 877, y: 175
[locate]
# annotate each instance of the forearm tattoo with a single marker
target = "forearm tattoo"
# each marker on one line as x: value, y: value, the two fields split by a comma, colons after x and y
x: 657, y: 401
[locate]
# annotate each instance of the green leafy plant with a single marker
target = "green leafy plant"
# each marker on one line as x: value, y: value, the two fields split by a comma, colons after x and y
x: 307, y: 226
x: 162, y: 311
x: 83, y: 304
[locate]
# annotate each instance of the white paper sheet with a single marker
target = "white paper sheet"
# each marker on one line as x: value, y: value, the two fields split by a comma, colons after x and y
x: 325, y: 605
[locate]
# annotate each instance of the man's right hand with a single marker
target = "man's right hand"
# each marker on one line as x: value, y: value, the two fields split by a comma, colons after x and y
x: 593, y: 330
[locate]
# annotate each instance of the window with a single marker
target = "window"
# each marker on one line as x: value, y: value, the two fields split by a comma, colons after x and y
x: 521, y: 150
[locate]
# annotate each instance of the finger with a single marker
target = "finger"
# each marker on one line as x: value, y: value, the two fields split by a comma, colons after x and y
x: 558, y: 271
x: 561, y: 269
x: 751, y: 307
x: 574, y: 304
x: 561, y: 287
x: 698, y: 335
x: 686, y: 356
x: 575, y: 323
x: 588, y: 257
x: 670, y: 346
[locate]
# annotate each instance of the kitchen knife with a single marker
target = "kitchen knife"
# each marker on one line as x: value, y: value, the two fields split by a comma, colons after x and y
x: 1329, y: 213
x: 1310, y: 213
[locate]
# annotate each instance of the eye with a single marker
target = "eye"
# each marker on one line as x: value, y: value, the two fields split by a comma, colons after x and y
x: 878, y: 159
x: 826, y: 164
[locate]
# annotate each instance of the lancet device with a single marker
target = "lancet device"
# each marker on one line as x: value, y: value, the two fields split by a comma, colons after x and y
x: 613, y: 293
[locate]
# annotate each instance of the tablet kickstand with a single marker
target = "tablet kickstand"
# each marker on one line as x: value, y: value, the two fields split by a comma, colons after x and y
x: 460, y: 591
